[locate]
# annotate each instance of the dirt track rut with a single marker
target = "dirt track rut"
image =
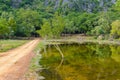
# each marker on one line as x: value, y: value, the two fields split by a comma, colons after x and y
x: 14, y: 63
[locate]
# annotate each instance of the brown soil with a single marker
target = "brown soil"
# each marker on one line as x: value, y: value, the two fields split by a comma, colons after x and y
x: 14, y: 63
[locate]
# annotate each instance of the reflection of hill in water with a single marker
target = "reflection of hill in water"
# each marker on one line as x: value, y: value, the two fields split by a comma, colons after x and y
x: 82, y: 61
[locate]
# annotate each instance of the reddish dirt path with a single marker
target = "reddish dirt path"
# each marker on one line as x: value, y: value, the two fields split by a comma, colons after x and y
x: 14, y: 63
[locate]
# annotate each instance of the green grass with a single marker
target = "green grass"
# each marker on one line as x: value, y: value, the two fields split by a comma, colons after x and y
x: 83, y: 39
x: 35, y: 61
x: 35, y: 66
x: 6, y: 45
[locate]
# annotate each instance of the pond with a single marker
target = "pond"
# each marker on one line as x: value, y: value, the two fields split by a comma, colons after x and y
x: 81, y: 62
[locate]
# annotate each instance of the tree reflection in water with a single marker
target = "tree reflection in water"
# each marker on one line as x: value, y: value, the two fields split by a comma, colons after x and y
x: 82, y: 62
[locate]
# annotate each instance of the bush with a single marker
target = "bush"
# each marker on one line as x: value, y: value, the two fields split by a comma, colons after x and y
x: 115, y: 31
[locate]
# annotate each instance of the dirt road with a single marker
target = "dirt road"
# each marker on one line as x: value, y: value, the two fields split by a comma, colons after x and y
x: 14, y: 63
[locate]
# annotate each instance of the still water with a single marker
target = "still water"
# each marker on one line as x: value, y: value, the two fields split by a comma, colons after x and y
x: 81, y: 62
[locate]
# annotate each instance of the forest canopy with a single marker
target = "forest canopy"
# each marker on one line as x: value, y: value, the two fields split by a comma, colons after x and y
x: 51, y: 18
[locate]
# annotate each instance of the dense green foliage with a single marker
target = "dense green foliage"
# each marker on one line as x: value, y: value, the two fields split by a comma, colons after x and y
x: 51, y: 18
x: 52, y: 28
x: 116, y: 28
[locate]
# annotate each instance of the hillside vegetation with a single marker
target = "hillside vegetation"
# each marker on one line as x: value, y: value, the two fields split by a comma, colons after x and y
x: 51, y: 18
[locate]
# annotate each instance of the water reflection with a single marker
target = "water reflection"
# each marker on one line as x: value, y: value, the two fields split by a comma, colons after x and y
x: 82, y: 62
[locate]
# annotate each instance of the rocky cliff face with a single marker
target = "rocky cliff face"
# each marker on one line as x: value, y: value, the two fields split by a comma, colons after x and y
x: 77, y: 5
x: 21, y: 3
x: 16, y: 3
x: 81, y: 5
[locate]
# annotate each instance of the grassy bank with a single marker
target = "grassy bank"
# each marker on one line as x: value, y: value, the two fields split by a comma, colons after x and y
x: 83, y: 39
x: 10, y: 44
x: 59, y: 41
x: 35, y: 66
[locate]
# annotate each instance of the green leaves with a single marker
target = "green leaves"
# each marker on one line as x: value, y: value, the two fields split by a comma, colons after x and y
x: 7, y: 25
x: 115, y: 31
x: 103, y: 24
x: 27, y: 19
x: 52, y: 28
x: 117, y: 5
x: 3, y: 27
x: 46, y: 31
x: 79, y: 22
x: 24, y: 17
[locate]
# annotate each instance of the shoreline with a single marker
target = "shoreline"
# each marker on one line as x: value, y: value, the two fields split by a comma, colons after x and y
x: 59, y: 41
x: 35, y: 67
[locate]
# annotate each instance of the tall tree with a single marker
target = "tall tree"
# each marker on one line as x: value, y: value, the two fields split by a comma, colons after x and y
x: 27, y: 20
x: 103, y: 26
x: 115, y: 31
x: 4, y: 30
x: 52, y: 28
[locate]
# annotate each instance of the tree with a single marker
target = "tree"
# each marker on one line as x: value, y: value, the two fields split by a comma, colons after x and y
x: 115, y: 31
x: 7, y: 24
x: 69, y: 27
x: 52, y: 28
x: 80, y: 22
x: 12, y: 26
x: 4, y: 30
x: 27, y: 20
x: 117, y: 5
x: 46, y: 31
x: 103, y: 26
x: 58, y: 25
